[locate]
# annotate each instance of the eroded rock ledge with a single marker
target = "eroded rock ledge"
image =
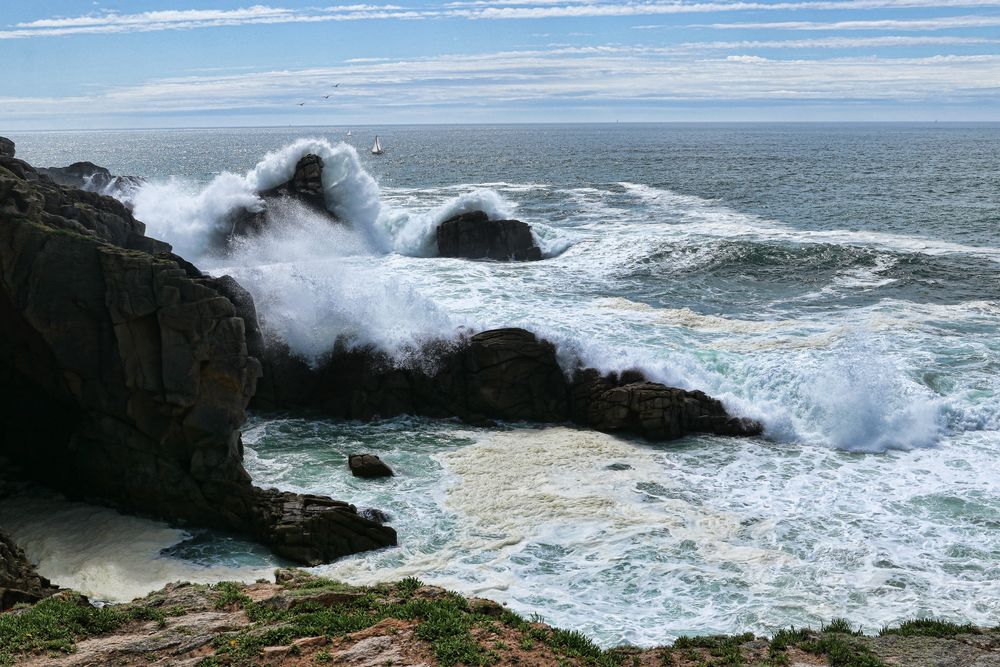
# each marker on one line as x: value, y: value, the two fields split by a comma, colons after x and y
x: 505, y: 374
x: 125, y: 374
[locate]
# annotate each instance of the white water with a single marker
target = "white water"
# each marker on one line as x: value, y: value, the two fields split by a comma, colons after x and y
x: 370, y: 283
x: 710, y: 536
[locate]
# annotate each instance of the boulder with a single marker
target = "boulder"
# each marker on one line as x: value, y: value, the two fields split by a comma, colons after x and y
x: 368, y: 465
x: 19, y: 582
x: 6, y: 147
x: 474, y: 236
x: 125, y: 375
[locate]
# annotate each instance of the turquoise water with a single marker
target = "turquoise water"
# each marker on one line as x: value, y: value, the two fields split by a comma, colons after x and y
x: 838, y: 283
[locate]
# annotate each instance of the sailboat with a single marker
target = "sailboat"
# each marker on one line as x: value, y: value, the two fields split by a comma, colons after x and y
x: 377, y: 148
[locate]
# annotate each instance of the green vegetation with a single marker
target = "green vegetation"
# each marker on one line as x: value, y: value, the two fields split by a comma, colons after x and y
x: 444, y: 620
x: 54, y: 625
x: 929, y: 627
x: 458, y: 632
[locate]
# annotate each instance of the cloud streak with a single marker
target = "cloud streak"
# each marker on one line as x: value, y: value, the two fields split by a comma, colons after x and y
x: 588, y: 75
x: 190, y: 19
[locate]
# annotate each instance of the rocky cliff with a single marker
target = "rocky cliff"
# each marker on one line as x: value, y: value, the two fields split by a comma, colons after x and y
x: 125, y: 374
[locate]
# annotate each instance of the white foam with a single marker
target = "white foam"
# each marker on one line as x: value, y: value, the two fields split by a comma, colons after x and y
x: 101, y: 553
x: 707, y: 217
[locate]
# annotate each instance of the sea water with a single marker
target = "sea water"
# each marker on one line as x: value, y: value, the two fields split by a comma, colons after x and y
x: 838, y: 283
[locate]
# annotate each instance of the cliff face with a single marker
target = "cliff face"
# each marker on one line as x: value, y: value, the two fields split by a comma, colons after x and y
x: 125, y: 373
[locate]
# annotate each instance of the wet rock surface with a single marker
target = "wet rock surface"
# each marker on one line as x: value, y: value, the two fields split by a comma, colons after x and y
x: 474, y: 236
x: 368, y: 465
x: 304, y: 189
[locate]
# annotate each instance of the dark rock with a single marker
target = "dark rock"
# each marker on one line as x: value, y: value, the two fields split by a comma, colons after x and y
x: 507, y: 374
x: 618, y: 466
x: 657, y: 412
x: 474, y: 236
x: 368, y: 465
x: 124, y: 375
x: 6, y: 147
x: 19, y: 582
x: 305, y: 188
x: 91, y: 177
x: 313, y: 529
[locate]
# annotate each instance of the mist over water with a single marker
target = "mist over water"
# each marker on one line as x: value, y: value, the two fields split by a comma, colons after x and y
x: 854, y: 314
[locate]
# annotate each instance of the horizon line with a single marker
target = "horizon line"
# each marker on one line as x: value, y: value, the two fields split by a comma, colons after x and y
x: 519, y: 123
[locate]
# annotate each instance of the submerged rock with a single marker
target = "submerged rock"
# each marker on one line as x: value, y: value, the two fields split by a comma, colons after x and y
x: 125, y: 375
x: 368, y: 465
x: 474, y: 236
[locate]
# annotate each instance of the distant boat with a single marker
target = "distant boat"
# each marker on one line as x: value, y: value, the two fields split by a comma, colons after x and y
x: 348, y: 133
x: 377, y: 147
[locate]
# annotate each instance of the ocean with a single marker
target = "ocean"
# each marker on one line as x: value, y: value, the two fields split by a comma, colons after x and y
x: 837, y: 282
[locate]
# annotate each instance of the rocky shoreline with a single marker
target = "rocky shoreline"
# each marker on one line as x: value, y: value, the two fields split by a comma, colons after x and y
x: 126, y: 374
x: 305, y: 620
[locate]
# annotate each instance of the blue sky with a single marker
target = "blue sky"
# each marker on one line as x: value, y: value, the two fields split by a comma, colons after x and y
x: 146, y: 63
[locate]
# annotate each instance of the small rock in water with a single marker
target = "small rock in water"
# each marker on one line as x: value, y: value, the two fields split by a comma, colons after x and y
x: 368, y: 465
x: 619, y: 466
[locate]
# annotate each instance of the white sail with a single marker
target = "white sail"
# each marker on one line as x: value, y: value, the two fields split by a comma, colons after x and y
x: 377, y: 148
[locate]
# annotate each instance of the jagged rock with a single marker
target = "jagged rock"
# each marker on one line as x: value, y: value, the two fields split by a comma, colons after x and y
x: 474, y: 236
x: 657, y: 412
x: 373, y: 514
x: 304, y: 188
x: 6, y: 147
x: 368, y: 465
x: 124, y: 375
x: 507, y: 374
x: 313, y: 529
x: 91, y: 177
x: 19, y: 582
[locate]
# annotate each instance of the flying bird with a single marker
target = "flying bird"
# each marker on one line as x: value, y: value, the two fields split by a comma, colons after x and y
x: 302, y: 104
x: 326, y: 97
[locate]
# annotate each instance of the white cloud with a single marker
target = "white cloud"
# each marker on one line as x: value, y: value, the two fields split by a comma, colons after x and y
x: 940, y: 23
x: 187, y: 19
x: 603, y: 74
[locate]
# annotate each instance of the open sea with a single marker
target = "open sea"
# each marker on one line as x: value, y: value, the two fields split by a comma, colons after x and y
x: 840, y: 283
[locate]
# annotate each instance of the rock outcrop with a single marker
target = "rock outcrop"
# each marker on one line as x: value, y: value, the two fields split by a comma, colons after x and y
x: 368, y: 465
x: 474, y: 236
x: 92, y: 177
x: 507, y: 374
x: 125, y: 374
x: 19, y: 582
x: 303, y: 189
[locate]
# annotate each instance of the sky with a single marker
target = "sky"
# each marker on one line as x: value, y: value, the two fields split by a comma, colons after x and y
x: 101, y: 64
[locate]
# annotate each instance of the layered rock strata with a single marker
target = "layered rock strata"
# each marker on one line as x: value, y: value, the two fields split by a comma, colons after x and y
x: 125, y: 374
